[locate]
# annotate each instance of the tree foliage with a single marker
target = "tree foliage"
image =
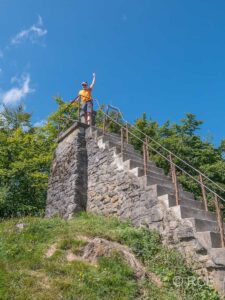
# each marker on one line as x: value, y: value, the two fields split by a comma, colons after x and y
x: 25, y: 156
x: 182, y: 139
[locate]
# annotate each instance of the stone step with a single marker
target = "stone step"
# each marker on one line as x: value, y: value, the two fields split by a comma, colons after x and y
x: 183, y: 212
x: 111, y: 139
x: 116, y: 139
x: 162, y: 190
x: 209, y: 239
x: 128, y: 149
x: 112, y: 136
x: 137, y: 168
x: 204, y: 225
x: 151, y: 173
x: 151, y: 180
x: 134, y: 155
x: 111, y: 144
x: 218, y: 256
x: 96, y: 132
x: 129, y: 155
x: 170, y: 201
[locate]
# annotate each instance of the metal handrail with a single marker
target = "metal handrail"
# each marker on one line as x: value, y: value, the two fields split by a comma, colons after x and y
x: 169, y: 152
x: 183, y: 161
x: 152, y: 148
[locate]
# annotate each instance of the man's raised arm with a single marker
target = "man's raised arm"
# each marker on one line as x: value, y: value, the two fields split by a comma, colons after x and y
x: 93, y: 81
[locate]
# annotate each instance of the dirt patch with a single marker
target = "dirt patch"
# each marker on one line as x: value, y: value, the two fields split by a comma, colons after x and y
x: 98, y: 247
x: 70, y: 256
x: 51, y: 250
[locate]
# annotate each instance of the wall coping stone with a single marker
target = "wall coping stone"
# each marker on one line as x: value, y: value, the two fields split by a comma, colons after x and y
x: 64, y: 134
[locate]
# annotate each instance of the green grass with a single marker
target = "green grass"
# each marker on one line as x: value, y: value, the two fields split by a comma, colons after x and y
x: 26, y: 273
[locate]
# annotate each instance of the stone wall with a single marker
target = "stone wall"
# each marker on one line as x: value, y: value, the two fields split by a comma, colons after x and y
x: 113, y: 191
x: 67, y: 189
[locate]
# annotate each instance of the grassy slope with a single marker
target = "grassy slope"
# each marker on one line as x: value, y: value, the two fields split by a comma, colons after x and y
x: 25, y: 272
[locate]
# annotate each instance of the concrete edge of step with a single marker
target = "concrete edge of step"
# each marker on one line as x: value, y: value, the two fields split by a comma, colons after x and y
x: 170, y: 201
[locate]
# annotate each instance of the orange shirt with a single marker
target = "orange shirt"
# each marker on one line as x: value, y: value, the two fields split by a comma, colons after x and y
x: 85, y: 95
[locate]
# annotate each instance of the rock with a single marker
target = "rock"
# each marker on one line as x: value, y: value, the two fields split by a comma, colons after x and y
x: 185, y: 233
x: 20, y: 226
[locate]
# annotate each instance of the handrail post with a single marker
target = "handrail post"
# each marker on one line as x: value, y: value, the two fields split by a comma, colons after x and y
x: 127, y: 133
x: 171, y: 167
x: 147, y: 149
x: 203, y: 193
x: 176, y: 186
x: 219, y: 221
x: 144, y: 158
x: 174, y: 177
x: 122, y: 142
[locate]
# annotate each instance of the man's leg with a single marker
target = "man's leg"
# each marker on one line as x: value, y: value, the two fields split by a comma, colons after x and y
x: 89, y: 112
x: 86, y: 118
x: 84, y: 112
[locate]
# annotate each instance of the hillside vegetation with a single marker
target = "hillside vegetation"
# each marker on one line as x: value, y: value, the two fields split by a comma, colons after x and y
x: 91, y: 257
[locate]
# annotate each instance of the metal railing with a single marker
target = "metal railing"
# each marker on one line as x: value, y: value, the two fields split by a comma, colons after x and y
x: 125, y: 129
x: 67, y: 120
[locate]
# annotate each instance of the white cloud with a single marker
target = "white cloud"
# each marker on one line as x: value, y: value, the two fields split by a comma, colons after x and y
x: 16, y: 79
x: 16, y: 94
x: 32, y: 34
x: 40, y: 21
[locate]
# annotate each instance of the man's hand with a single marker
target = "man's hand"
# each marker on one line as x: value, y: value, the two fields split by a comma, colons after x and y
x: 93, y: 81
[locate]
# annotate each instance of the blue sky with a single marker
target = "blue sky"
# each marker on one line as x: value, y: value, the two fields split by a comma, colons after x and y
x: 165, y: 58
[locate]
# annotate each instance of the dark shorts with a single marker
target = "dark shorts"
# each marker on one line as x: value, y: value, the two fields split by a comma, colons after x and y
x: 87, y: 107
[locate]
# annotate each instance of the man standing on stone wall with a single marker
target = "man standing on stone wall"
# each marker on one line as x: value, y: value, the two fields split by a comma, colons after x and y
x: 86, y: 99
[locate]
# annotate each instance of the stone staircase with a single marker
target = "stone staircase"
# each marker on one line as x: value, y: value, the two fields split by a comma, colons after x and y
x: 204, y: 225
x: 89, y: 172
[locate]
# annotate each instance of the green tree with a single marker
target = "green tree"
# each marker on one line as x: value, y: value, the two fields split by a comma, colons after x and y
x: 13, y: 118
x: 189, y: 125
x: 62, y: 118
x: 25, y: 157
